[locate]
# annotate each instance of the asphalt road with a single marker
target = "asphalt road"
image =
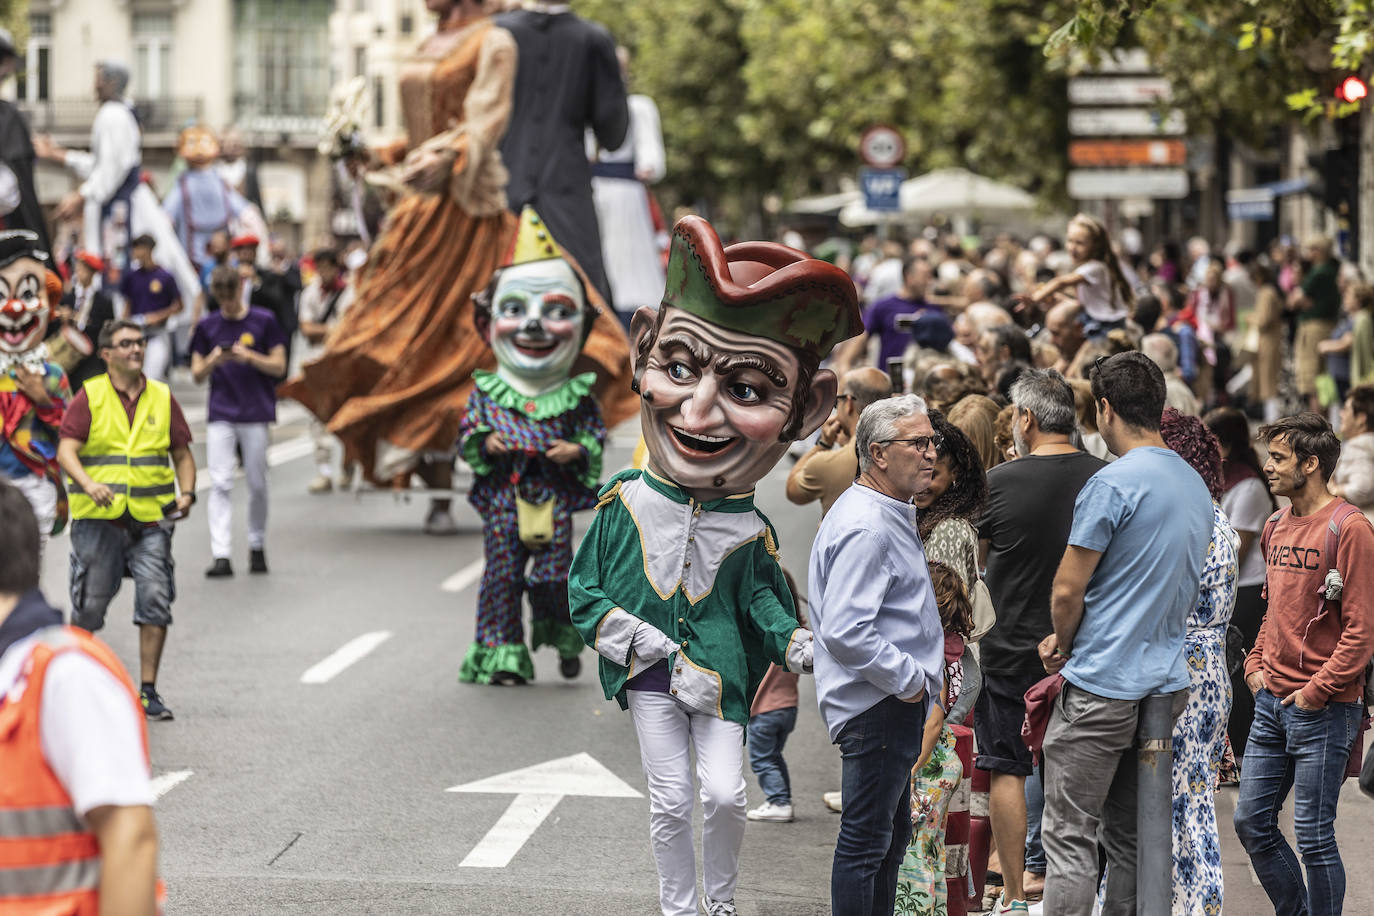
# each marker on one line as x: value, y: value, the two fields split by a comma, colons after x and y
x: 330, y: 797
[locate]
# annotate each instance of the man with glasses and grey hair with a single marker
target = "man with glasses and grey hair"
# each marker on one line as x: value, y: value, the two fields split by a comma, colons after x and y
x: 879, y: 647
x: 1023, y: 533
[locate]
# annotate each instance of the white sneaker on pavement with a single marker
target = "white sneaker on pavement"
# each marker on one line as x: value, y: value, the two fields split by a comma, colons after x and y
x: 833, y: 801
x: 321, y: 484
x: 1002, y: 906
x: 719, y: 907
x: 771, y: 812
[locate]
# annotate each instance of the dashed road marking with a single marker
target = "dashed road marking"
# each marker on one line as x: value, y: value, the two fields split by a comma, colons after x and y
x: 347, y: 654
x: 464, y: 578
x: 169, y: 781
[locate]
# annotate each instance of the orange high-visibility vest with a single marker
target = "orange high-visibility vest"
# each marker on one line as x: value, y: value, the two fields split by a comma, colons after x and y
x: 49, y: 858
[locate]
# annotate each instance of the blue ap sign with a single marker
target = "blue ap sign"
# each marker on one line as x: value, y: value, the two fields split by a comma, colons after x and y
x: 882, y: 188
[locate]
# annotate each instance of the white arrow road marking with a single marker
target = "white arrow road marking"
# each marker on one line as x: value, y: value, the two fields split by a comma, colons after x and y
x: 464, y: 578
x: 537, y: 789
x: 346, y: 655
x: 277, y: 454
x: 169, y: 781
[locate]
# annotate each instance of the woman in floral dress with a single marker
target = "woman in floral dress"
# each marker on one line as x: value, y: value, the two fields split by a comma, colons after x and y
x: 1200, y: 733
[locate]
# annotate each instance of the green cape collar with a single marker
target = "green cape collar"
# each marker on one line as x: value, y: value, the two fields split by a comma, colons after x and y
x: 542, y: 406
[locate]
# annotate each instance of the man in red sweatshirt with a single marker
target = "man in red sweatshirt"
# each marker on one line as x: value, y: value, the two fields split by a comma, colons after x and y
x: 1307, y: 670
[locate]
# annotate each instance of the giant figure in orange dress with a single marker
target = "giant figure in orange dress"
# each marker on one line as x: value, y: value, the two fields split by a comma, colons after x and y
x: 395, y: 376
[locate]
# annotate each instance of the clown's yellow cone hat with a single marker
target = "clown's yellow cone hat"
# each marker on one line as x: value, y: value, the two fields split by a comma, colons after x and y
x: 532, y: 241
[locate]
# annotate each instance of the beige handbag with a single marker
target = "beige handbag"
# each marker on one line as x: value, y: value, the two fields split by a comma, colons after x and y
x: 535, y: 522
x: 984, y: 614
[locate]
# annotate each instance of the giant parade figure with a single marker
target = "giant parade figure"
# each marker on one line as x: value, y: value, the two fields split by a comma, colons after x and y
x: 201, y: 202
x: 534, y: 438
x: 678, y: 585
x: 394, y: 379
x: 33, y: 389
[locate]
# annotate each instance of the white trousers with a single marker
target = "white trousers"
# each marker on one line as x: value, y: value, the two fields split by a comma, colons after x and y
x: 157, y: 355
x: 667, y: 732
x: 323, y: 441
x: 220, y: 440
x: 42, y: 496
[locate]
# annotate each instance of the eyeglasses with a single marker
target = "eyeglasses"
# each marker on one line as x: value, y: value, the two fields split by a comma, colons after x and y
x: 922, y: 443
x: 129, y: 343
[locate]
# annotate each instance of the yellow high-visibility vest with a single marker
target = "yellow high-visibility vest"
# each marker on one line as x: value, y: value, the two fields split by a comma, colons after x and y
x: 133, y: 461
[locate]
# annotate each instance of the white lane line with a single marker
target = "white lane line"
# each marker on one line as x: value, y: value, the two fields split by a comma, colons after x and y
x: 347, y: 654
x: 169, y: 781
x: 277, y: 454
x: 464, y: 578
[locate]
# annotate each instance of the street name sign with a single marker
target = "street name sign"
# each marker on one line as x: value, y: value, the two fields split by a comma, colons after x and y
x: 1108, y: 153
x: 1126, y: 122
x: 1114, y: 184
x: 1128, y: 90
x: 537, y: 789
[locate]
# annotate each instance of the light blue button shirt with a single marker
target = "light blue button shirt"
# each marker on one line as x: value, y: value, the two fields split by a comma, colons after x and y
x: 872, y: 608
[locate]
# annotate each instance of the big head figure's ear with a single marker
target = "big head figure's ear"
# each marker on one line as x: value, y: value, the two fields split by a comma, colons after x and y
x: 820, y: 401
x: 643, y: 330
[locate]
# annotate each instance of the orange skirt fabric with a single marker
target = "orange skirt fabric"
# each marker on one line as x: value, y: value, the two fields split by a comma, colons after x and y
x: 397, y: 371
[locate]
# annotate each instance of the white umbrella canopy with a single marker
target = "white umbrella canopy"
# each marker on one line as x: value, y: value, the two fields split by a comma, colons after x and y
x: 824, y: 204
x: 951, y: 192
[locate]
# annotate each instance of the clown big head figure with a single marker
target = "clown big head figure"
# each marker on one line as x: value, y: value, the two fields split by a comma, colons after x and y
x: 535, y: 314
x: 23, y: 301
x: 727, y: 367
x: 198, y: 146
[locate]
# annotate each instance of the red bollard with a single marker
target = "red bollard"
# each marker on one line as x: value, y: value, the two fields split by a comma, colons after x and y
x: 957, y: 828
x: 980, y: 837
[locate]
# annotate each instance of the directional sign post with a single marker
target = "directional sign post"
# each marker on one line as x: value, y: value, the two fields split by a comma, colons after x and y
x: 882, y: 189
x: 537, y: 790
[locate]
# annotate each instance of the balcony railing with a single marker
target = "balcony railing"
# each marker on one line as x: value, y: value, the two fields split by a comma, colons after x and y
x: 75, y: 115
x: 290, y: 115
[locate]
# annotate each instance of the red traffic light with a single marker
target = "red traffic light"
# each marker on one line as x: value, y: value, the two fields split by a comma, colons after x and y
x: 1352, y: 89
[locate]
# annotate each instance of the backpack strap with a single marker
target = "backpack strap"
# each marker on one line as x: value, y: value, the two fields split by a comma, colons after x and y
x: 1333, y: 532
x: 1264, y: 544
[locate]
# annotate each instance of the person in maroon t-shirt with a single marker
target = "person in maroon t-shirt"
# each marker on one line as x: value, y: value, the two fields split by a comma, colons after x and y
x: 103, y: 549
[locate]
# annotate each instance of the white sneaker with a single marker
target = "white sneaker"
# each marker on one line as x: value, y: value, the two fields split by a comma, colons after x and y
x: 719, y: 907
x: 321, y: 484
x: 771, y: 812
x: 833, y: 801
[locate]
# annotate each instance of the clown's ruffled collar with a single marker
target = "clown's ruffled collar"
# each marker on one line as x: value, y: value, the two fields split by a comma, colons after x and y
x: 35, y: 360
x: 551, y: 403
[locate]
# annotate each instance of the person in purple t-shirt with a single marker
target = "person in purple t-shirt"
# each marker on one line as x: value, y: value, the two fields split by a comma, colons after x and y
x: 242, y: 351
x: 880, y: 318
x: 153, y: 297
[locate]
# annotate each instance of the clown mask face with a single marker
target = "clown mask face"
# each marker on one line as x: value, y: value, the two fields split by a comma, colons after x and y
x: 23, y: 307
x: 537, y: 322
x: 717, y: 401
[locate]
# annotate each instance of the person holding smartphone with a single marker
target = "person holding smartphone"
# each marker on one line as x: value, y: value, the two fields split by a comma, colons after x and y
x: 241, y: 350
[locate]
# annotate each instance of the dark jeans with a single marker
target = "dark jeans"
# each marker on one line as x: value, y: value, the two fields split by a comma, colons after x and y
x: 1292, y: 749
x: 878, y: 748
x: 102, y: 551
x: 768, y: 733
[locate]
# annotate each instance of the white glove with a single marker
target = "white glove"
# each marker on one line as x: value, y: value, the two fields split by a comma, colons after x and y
x: 809, y: 655
x: 652, y: 644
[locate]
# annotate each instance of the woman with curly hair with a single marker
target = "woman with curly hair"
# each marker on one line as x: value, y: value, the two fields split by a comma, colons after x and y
x: 948, y: 509
x: 1199, y: 743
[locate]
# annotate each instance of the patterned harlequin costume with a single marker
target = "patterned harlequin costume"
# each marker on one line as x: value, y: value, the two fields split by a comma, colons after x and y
x: 28, y: 431
x: 528, y: 425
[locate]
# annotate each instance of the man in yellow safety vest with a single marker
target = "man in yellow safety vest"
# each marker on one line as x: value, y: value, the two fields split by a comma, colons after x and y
x: 125, y: 447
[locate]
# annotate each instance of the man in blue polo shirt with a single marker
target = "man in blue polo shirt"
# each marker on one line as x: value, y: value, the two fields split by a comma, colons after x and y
x: 153, y: 297
x: 1120, y: 604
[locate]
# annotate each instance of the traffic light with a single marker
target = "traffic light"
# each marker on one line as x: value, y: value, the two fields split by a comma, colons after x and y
x: 1352, y: 89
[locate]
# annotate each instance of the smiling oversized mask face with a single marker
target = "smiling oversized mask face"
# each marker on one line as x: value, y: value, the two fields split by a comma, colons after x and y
x: 716, y: 403
x: 23, y: 306
x: 537, y: 320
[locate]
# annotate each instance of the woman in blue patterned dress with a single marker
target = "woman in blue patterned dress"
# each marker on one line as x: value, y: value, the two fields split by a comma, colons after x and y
x: 1200, y: 733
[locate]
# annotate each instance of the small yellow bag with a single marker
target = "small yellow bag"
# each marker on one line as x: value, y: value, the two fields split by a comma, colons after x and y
x: 535, y: 521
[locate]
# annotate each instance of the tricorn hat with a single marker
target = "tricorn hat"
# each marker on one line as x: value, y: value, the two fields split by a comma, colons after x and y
x: 20, y: 243
x: 761, y: 288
